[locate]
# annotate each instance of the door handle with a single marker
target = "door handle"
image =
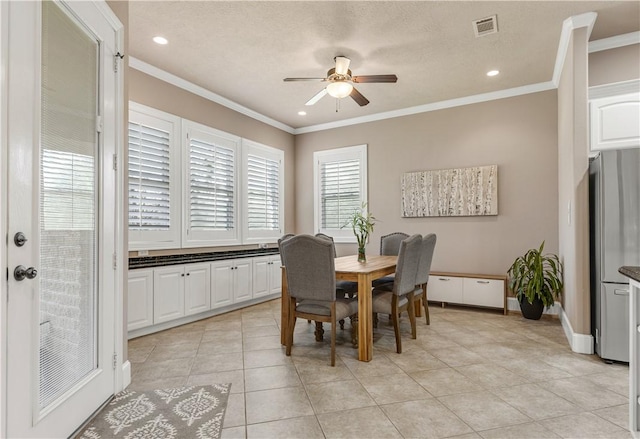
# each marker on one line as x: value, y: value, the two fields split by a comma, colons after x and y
x: 618, y: 292
x: 20, y: 273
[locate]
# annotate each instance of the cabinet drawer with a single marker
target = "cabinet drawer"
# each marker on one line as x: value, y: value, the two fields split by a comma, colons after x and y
x: 484, y: 292
x: 445, y: 289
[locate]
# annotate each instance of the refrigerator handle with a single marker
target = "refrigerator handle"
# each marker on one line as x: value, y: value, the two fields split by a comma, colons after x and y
x: 620, y: 292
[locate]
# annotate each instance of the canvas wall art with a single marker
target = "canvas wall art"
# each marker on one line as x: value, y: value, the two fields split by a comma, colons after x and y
x: 451, y: 192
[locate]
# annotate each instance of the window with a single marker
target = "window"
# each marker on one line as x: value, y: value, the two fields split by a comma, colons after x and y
x: 340, y: 188
x: 263, y: 190
x: 154, y: 170
x: 210, y: 187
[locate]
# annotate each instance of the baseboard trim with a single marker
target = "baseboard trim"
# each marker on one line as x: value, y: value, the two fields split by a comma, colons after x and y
x: 580, y: 343
x: 126, y: 374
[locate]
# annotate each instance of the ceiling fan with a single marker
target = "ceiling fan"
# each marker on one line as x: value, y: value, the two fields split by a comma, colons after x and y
x: 341, y: 82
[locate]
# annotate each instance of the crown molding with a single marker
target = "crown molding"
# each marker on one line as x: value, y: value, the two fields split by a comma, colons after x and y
x: 568, y: 26
x: 458, y: 102
x: 150, y: 70
x: 614, y: 42
x: 615, y: 89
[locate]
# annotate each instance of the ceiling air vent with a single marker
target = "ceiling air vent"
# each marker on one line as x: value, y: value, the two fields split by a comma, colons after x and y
x: 485, y: 26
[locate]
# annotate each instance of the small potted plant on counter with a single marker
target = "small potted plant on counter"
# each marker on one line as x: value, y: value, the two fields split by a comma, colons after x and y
x: 536, y: 280
x: 362, y: 224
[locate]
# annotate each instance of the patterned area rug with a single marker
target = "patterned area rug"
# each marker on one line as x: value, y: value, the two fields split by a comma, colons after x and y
x: 185, y: 412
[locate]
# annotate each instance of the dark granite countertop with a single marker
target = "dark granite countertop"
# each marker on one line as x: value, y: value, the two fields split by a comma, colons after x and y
x: 631, y: 272
x: 160, y: 261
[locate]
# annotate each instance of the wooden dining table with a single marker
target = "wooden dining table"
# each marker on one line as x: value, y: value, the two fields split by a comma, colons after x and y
x: 348, y: 268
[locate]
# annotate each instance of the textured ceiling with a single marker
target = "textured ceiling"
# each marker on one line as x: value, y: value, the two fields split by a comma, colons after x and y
x: 242, y: 50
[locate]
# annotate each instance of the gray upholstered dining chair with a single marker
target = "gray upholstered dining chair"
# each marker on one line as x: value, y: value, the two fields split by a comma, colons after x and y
x: 283, y: 238
x: 389, y: 246
x: 399, y: 297
x: 424, y: 269
x: 350, y: 288
x: 311, y: 282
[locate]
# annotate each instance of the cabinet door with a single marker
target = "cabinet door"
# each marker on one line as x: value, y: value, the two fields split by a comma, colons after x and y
x: 221, y: 284
x: 242, y: 280
x: 275, y: 275
x: 197, y: 288
x: 261, y: 276
x: 445, y: 289
x: 484, y: 292
x: 140, y: 299
x: 615, y: 122
x: 168, y: 294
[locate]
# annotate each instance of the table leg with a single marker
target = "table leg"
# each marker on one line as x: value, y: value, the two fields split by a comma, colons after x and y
x: 284, y: 309
x: 365, y: 324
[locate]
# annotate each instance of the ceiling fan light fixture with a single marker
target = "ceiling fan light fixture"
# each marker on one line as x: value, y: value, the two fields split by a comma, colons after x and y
x: 339, y: 89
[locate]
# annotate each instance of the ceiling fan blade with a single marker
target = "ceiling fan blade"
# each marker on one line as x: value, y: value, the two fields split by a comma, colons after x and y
x: 375, y: 78
x: 357, y: 96
x: 304, y: 79
x: 317, y: 97
x: 342, y: 65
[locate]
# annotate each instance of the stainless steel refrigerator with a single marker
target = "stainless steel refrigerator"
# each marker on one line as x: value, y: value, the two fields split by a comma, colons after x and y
x: 614, y: 196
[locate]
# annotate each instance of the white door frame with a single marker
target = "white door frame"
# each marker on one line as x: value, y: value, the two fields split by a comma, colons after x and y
x: 122, y: 376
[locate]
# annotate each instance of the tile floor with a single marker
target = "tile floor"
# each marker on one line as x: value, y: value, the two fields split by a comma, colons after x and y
x: 470, y: 374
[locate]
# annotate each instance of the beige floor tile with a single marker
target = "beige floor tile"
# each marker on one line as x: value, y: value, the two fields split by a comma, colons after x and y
x: 265, y: 358
x: 221, y: 336
x: 260, y: 331
x: 576, y: 364
x: 272, y: 377
x: 585, y: 393
x: 187, y: 349
x: 235, y: 414
x: 338, y: 396
x: 619, y: 415
x: 523, y: 431
x: 416, y: 360
x: 426, y: 418
x: 223, y: 326
x: 220, y: 347
x: 536, y: 402
x: 140, y: 383
x: 276, y: 404
x: 217, y: 363
x: 441, y: 382
x: 617, y: 380
x: 139, y: 353
x: 320, y: 371
x: 458, y: 356
x: 163, y: 369
x: 304, y: 427
x: 582, y: 425
x: 393, y: 388
x: 535, y: 370
x: 369, y: 422
x: 483, y: 410
x: 234, y: 433
x: 259, y: 321
x: 261, y: 343
x: 382, y: 366
x: 235, y: 377
x: 491, y: 375
x: 466, y: 436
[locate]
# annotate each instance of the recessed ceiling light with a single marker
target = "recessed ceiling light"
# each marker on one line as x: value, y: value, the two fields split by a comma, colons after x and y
x: 160, y: 40
x: 302, y: 113
x: 493, y: 72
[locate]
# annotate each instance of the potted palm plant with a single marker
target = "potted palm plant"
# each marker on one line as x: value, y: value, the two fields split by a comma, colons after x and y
x: 536, y: 280
x: 361, y: 222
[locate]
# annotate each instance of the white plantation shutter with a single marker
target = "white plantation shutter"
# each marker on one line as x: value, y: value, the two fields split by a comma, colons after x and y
x: 263, y: 192
x: 153, y: 166
x: 340, y: 189
x: 210, y: 186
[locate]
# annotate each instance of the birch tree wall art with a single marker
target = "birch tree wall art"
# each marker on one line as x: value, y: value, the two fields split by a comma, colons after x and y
x: 451, y: 192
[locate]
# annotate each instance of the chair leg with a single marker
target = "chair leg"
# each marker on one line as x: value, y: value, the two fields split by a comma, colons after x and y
x: 341, y: 321
x: 333, y: 334
x: 426, y: 304
x: 354, y: 330
x: 375, y: 319
x: 395, y: 317
x: 319, y: 332
x: 291, y: 325
x: 412, y: 315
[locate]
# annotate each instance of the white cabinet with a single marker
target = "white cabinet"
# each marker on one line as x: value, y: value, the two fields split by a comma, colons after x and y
x: 230, y: 281
x: 615, y: 122
x: 445, y: 289
x: 267, y: 278
x: 466, y: 289
x: 168, y: 293
x: 197, y: 288
x: 140, y: 299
